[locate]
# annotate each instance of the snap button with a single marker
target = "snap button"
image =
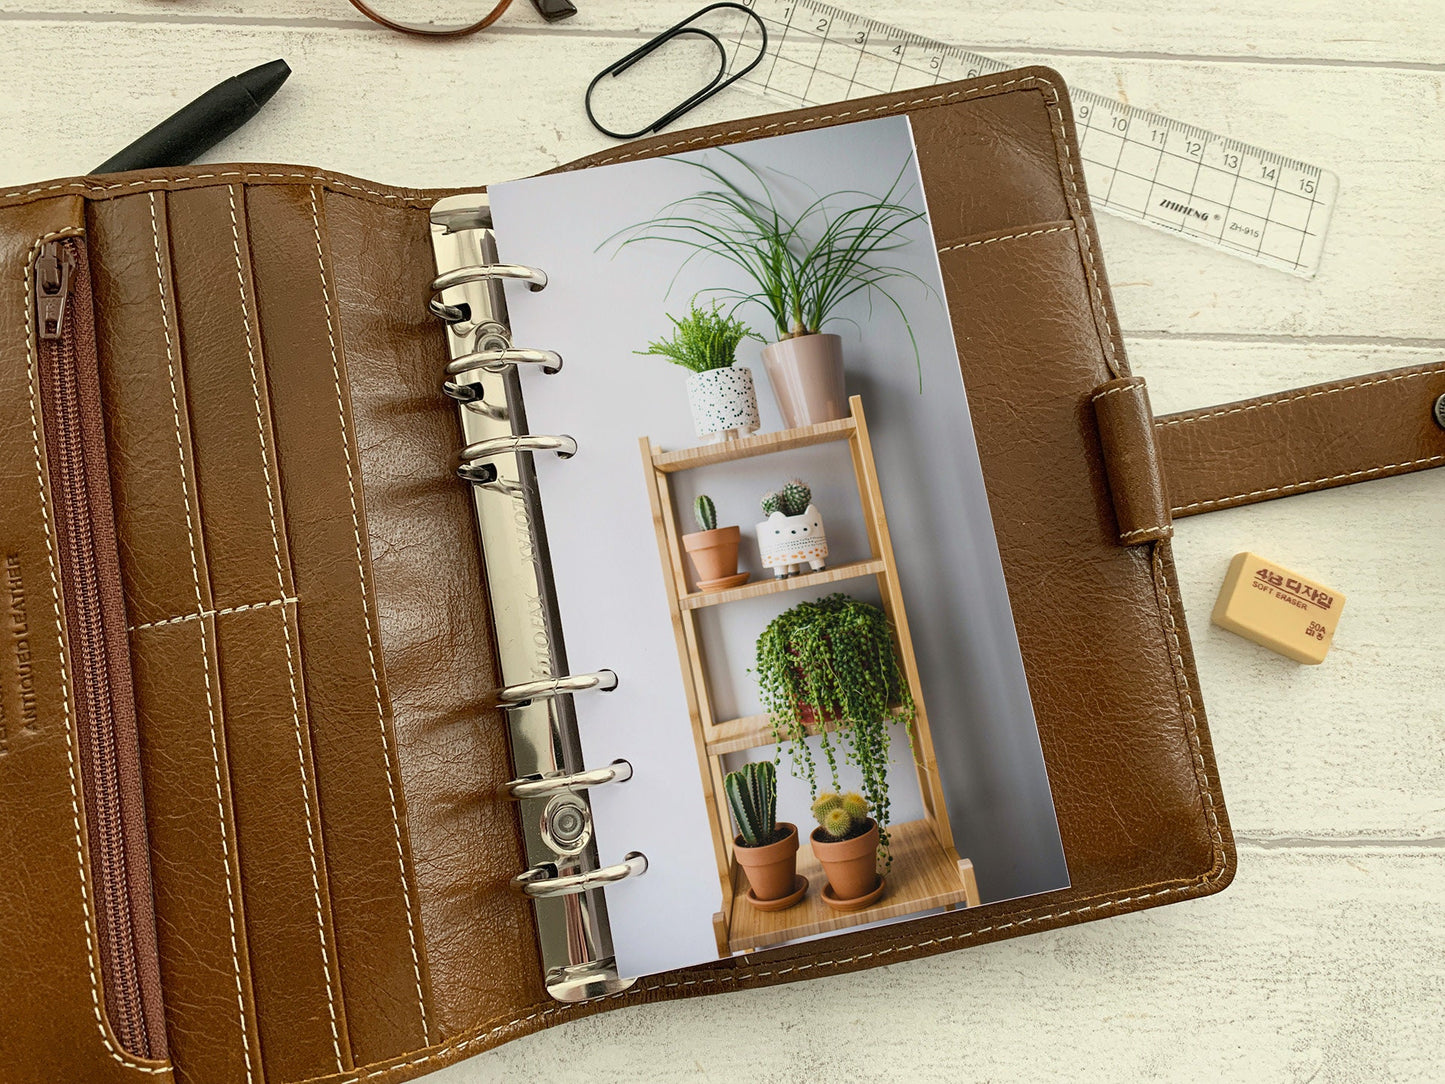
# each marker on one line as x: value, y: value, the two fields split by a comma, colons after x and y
x: 1440, y: 412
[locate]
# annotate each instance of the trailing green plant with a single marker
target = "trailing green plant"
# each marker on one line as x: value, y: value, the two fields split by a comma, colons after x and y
x: 802, y: 268
x: 841, y: 816
x: 705, y: 512
x: 752, y: 793
x: 792, y: 500
x: 832, y: 664
x: 703, y: 340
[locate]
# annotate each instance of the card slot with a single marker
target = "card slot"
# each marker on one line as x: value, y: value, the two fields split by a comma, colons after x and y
x: 163, y: 558
x: 230, y: 414
x: 1029, y: 387
x: 200, y: 910
x: 299, y: 1010
x: 379, y: 938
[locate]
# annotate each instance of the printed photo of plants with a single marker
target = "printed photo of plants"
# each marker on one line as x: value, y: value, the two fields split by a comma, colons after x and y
x: 777, y: 496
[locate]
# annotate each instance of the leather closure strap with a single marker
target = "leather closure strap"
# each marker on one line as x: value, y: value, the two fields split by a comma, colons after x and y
x: 1302, y: 440
x: 1131, y: 459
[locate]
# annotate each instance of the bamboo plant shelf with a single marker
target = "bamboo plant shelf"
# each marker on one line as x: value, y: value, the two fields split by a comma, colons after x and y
x: 927, y: 872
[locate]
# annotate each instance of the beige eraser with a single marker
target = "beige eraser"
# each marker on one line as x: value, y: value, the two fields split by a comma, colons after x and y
x: 1278, y: 608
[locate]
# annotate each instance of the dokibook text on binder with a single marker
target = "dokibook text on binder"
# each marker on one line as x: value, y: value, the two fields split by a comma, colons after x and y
x: 798, y: 705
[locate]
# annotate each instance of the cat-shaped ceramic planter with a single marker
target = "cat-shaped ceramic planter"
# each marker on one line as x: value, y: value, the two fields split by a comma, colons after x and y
x: 793, y: 544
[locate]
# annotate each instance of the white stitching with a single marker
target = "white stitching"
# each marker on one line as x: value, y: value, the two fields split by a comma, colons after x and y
x: 366, y: 614
x: 1180, y: 419
x: 328, y: 180
x: 1143, y: 532
x: 1186, y: 699
x: 1280, y: 491
x: 32, y: 380
x: 1007, y: 237
x: 1136, y: 383
x: 212, y: 613
x: 286, y: 630
x: 205, y: 639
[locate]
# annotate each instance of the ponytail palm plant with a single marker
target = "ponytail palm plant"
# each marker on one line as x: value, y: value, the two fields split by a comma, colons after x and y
x: 801, y: 268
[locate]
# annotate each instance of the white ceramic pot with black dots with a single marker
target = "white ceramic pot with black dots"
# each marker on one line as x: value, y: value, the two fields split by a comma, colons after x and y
x: 724, y: 402
x: 790, y: 545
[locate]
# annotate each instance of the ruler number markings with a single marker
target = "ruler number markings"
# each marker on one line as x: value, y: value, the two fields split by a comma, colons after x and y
x: 1141, y: 165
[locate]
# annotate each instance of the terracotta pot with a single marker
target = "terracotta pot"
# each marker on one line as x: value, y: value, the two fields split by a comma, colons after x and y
x: 807, y: 378
x: 723, y: 401
x: 851, y: 865
x: 714, y: 553
x: 791, y: 545
x: 772, y: 868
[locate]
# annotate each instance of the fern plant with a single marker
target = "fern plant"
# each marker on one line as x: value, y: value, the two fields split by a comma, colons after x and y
x: 701, y: 341
x: 752, y: 793
x: 832, y: 663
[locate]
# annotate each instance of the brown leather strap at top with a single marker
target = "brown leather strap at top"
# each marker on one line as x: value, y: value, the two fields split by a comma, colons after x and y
x: 1302, y: 440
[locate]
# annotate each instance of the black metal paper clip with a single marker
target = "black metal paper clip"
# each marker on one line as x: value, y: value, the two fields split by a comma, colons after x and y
x: 717, y: 83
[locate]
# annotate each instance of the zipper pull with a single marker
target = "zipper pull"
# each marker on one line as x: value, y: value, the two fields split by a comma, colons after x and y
x: 53, y: 268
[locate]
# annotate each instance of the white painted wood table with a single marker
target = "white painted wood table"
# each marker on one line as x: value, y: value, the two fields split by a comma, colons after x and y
x: 1325, y: 960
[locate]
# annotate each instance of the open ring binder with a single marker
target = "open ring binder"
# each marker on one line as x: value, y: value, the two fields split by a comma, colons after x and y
x: 534, y: 277
x: 569, y: 782
x: 563, y: 445
x: 544, y: 881
x: 524, y: 693
x: 565, y: 878
x: 496, y: 361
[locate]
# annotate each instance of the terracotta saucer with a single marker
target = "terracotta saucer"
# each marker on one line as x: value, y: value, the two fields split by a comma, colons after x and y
x: 800, y: 888
x: 856, y: 904
x: 722, y: 583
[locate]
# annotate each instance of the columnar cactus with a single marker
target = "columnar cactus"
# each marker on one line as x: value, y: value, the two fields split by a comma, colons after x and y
x: 796, y: 496
x: 772, y: 502
x: 706, y: 513
x: 752, y: 793
x: 840, y: 815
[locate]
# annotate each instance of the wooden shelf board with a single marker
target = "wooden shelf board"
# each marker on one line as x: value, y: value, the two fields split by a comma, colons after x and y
x: 749, y: 732
x: 780, y: 440
x: 924, y: 876
x: 855, y: 570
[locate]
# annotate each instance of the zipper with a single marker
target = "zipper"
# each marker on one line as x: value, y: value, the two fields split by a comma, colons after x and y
x: 94, y: 615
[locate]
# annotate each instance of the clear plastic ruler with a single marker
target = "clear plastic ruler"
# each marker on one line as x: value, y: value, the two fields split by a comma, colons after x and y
x: 1140, y: 165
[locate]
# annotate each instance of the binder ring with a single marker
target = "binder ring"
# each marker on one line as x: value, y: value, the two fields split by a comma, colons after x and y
x: 534, y: 277
x: 544, y: 786
x: 514, y: 696
x: 499, y: 361
x: 542, y: 881
x: 563, y: 445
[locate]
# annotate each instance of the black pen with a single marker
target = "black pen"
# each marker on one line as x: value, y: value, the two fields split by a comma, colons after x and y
x: 187, y: 134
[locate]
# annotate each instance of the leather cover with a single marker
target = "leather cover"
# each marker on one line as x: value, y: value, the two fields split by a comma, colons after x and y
x: 312, y: 651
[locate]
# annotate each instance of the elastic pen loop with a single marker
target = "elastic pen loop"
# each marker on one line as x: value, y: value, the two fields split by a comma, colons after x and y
x: 714, y: 85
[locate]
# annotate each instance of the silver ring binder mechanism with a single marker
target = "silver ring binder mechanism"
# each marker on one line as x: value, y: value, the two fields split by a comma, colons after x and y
x: 565, y: 878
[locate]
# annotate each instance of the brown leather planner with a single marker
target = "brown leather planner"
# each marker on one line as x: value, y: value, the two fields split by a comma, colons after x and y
x: 253, y: 816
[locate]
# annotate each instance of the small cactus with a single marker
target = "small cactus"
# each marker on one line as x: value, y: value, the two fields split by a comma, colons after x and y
x: 772, y: 502
x: 841, y: 816
x: 706, y: 513
x: 752, y: 793
x: 796, y: 496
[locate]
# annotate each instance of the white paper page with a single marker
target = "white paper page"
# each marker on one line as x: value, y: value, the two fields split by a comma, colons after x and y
x: 601, y: 305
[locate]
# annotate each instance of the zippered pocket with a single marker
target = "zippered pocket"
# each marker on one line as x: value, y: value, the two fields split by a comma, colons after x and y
x: 103, y: 698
